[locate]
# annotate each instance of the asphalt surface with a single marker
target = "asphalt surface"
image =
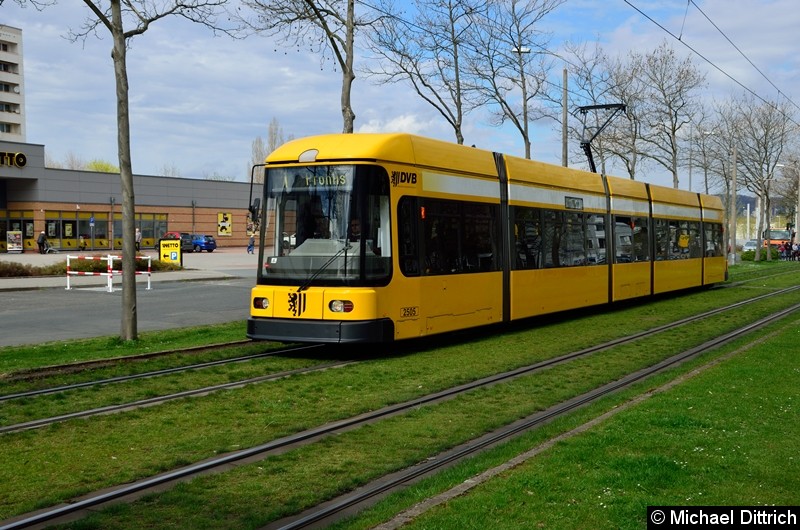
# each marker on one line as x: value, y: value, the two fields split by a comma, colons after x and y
x: 213, y: 288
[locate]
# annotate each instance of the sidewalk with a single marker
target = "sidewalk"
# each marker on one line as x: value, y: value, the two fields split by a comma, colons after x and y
x: 222, y: 263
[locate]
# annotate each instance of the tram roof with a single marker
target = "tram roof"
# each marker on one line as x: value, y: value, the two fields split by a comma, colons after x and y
x: 407, y: 148
x: 390, y: 147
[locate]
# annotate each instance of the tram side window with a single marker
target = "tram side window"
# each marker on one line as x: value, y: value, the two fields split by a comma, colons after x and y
x: 693, y: 244
x: 442, y: 238
x: 563, y: 239
x: 407, y: 230
x: 677, y: 239
x: 596, y: 245
x: 713, y: 240
x: 527, y: 238
x: 479, y: 251
x: 553, y: 238
x: 574, y: 245
x: 632, y: 239
x: 447, y: 237
x: 663, y: 242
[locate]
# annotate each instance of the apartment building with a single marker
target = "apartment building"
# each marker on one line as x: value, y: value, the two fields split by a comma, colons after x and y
x: 12, y: 85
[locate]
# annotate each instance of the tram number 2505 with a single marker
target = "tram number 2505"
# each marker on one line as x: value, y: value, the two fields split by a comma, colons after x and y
x: 409, y: 311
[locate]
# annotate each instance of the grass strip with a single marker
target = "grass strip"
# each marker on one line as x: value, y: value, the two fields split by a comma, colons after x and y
x: 634, y: 317
x: 726, y: 437
x: 162, y: 441
x: 17, y: 358
x: 253, y: 495
x: 186, y: 431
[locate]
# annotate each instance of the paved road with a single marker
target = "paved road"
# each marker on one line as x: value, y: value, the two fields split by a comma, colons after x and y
x: 214, y: 288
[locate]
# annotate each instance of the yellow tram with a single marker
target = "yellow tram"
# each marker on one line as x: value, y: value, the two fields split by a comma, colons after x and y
x: 381, y: 237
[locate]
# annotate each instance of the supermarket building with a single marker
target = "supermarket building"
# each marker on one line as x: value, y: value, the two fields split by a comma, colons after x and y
x: 82, y: 210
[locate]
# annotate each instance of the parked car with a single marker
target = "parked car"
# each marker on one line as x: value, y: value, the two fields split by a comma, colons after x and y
x: 202, y: 242
x: 186, y: 240
x: 750, y: 245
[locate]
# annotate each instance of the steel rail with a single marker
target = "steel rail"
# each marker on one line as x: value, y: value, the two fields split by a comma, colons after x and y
x: 149, y: 402
x: 33, y: 424
x: 309, y: 435
x: 332, y: 508
x: 82, y: 365
x: 154, y: 373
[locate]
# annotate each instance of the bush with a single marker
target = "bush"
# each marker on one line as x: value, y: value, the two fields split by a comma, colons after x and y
x: 10, y: 269
x: 750, y: 255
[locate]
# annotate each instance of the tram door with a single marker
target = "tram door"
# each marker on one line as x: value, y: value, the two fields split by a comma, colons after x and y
x: 459, y: 280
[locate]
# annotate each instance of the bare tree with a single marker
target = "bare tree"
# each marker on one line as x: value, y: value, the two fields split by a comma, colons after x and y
x: 765, y: 130
x: 426, y: 52
x: 671, y: 105
x: 509, y: 62
x: 136, y: 15
x: 701, y: 147
x: 623, y: 139
x: 216, y: 176
x: 721, y: 146
x: 169, y: 170
x: 259, y: 155
x: 590, y: 84
x: 788, y: 187
x: 275, y: 136
x: 261, y: 148
x: 328, y: 25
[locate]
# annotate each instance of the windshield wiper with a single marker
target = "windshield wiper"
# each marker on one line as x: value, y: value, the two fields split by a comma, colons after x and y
x: 347, y: 246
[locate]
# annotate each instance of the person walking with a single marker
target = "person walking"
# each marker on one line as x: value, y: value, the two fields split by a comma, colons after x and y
x: 138, y: 237
x: 42, y: 242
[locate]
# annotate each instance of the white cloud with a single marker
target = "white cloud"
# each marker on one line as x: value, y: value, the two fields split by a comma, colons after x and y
x: 404, y: 123
x: 198, y: 101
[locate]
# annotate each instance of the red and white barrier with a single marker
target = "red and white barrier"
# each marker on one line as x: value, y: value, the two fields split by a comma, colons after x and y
x: 110, y: 272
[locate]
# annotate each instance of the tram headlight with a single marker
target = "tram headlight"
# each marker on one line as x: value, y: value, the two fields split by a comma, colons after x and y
x: 261, y: 302
x: 341, y: 306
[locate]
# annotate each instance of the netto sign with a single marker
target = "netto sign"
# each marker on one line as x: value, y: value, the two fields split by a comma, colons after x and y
x: 13, y: 159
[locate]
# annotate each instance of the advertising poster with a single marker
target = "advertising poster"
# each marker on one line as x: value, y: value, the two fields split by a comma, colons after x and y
x: 224, y: 224
x: 14, y: 240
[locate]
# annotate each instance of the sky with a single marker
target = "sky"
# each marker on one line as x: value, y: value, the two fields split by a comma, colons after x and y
x: 198, y: 100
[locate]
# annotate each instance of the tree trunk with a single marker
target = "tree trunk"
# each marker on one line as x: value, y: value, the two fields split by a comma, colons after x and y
x: 348, y: 76
x: 766, y: 225
x: 128, y: 329
x: 759, y: 227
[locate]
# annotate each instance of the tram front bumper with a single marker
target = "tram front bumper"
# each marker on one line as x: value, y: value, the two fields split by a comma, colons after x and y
x: 320, y: 331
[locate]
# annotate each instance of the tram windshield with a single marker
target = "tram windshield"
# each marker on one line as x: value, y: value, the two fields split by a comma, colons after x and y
x: 326, y: 225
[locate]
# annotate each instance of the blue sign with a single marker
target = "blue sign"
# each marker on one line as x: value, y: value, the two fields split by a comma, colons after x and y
x: 91, y: 221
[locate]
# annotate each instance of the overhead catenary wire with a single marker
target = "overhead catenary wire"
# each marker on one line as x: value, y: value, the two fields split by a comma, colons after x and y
x: 743, y: 55
x: 679, y: 38
x: 711, y: 63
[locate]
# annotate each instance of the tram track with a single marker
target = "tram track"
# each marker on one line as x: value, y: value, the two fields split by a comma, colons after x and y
x: 80, y: 366
x: 327, y: 512
x: 150, y: 402
x: 153, y: 401
x: 134, y: 490
x: 156, y: 373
